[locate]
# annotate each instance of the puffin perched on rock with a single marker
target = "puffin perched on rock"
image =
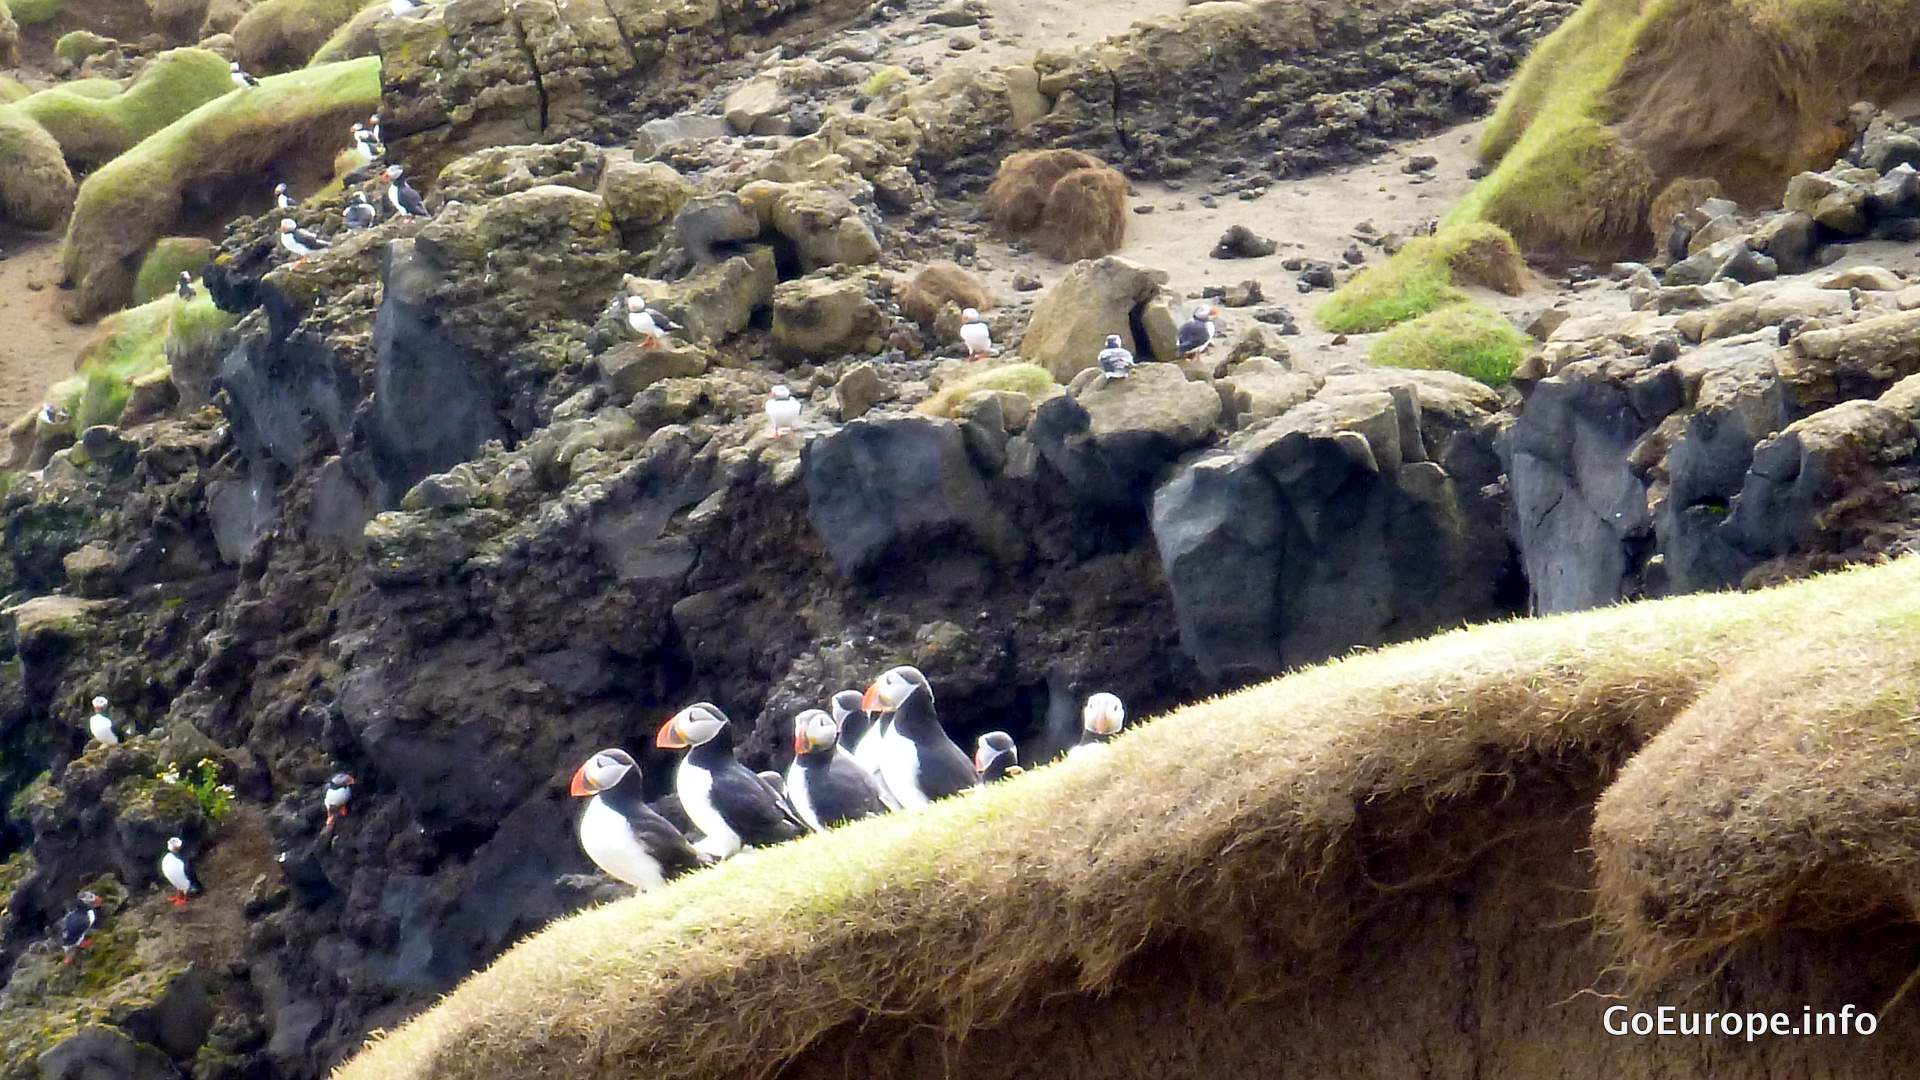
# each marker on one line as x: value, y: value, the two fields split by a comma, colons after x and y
x: 364, y: 149
x: 339, y: 794
x: 1196, y: 334
x: 184, y: 288
x: 826, y: 786
x: 100, y: 725
x: 1115, y: 360
x: 647, y: 324
x: 1100, y: 721
x: 783, y: 410
x: 725, y: 800
x: 299, y: 241
x: 359, y: 214
x: 975, y: 334
x: 918, y: 762
x: 400, y: 195
x: 281, y: 199
x: 622, y: 834
x: 76, y: 929
x: 995, y: 757
x: 173, y: 867
x: 240, y: 78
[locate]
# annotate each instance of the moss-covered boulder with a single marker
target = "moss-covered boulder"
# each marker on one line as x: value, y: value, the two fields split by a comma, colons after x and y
x: 12, y: 90
x: 9, y: 38
x: 280, y: 35
x: 160, y: 270
x: 93, y: 130
x: 76, y: 47
x: 354, y: 38
x: 136, y: 198
x: 36, y: 188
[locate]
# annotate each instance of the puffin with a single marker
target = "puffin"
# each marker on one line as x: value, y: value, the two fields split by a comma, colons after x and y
x: 826, y: 786
x: 622, y: 834
x: 185, y: 287
x: 400, y: 194
x: 1100, y: 721
x: 976, y: 336
x: 995, y: 757
x: 281, y: 199
x: 373, y: 125
x: 299, y: 241
x: 1196, y: 334
x: 1115, y: 360
x: 76, y: 930
x: 726, y: 801
x: 402, y: 7
x: 173, y: 867
x: 100, y: 725
x: 359, y: 214
x: 783, y: 410
x: 339, y: 794
x: 647, y: 324
x: 240, y: 78
x: 918, y: 762
x: 862, y: 734
x: 363, y: 146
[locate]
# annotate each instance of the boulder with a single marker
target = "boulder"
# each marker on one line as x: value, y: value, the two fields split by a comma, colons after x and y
x: 1895, y: 195
x: 758, y: 107
x: 821, y: 223
x: 629, y: 368
x: 858, y: 390
x: 717, y: 300
x: 1864, y: 278
x: 36, y: 188
x: 825, y: 317
x: 713, y: 226
x: 97, y: 1052
x: 1070, y: 323
x: 1110, y: 438
x: 643, y: 198
x: 1788, y: 239
x: 656, y: 135
x: 1262, y: 388
x: 1762, y: 307
x: 1861, y: 360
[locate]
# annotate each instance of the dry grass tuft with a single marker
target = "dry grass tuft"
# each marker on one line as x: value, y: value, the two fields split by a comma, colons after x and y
x: 1424, y: 276
x: 1244, y: 819
x: 936, y: 285
x: 1036, y: 382
x: 1682, y: 196
x: 1069, y: 204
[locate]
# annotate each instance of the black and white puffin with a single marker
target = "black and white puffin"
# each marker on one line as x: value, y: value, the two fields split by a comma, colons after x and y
x: 173, y: 867
x: 400, y: 195
x: 824, y: 784
x: 918, y: 762
x: 725, y: 800
x: 185, y: 287
x: 100, y: 725
x: 1196, y: 334
x: 240, y: 78
x: 359, y: 214
x: 1115, y: 360
x: 620, y: 832
x: 76, y: 930
x: 1100, y: 721
x: 861, y: 735
x: 995, y: 757
x: 282, y: 199
x: 339, y: 794
x: 299, y: 241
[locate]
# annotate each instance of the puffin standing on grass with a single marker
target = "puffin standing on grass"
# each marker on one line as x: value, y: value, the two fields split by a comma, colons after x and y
x: 76, y: 930
x: 100, y: 725
x: 339, y: 794
x: 783, y: 410
x: 373, y: 125
x: 240, y: 78
x: 860, y: 735
x: 1100, y: 721
x: 918, y: 762
x: 1115, y: 360
x: 826, y: 786
x: 995, y: 757
x: 173, y: 867
x: 1196, y: 334
x: 400, y: 195
x: 725, y: 800
x: 976, y: 335
x: 185, y: 287
x: 299, y: 241
x: 622, y: 834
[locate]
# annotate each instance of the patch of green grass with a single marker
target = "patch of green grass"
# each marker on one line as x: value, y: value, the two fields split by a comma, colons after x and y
x: 133, y: 344
x: 91, y: 130
x: 1032, y: 380
x: 34, y: 12
x: 883, y: 80
x: 135, y: 198
x: 160, y: 270
x: 11, y: 90
x: 278, y: 35
x: 355, y: 37
x: 1424, y: 276
x: 75, y: 46
x: 1466, y: 339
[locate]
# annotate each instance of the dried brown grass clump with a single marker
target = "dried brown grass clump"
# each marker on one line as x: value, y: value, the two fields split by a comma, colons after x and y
x: 1783, y: 799
x: 1068, y: 204
x: 936, y: 285
x: 1255, y: 820
x: 1682, y: 196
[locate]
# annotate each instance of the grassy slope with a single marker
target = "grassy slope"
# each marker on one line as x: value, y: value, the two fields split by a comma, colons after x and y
x: 92, y: 129
x: 733, y: 970
x: 1467, y: 339
x: 134, y: 199
x: 1030, y: 379
x: 160, y: 270
x: 286, y: 33
x: 354, y: 37
x: 34, y: 12
x: 1423, y: 276
x: 132, y: 344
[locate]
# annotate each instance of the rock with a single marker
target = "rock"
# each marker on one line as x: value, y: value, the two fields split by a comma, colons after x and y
x: 1109, y: 438
x: 1070, y: 324
x: 713, y: 226
x: 1261, y: 388
x: 1761, y: 308
x: 656, y: 135
x: 1419, y: 163
x: 821, y: 223
x: 629, y: 368
x: 1732, y: 259
x: 36, y: 187
x: 1864, y: 278
x: 1833, y: 202
x: 1244, y: 294
x: 1826, y: 367
x: 983, y: 422
x: 758, y: 107
x: 1746, y: 266
x: 1240, y: 242
x: 1544, y: 324
x: 1788, y: 239
x: 1887, y: 145
x: 953, y: 15
x: 1317, y: 275
x: 49, y: 624
x: 717, y: 300
x: 824, y: 317
x: 1721, y: 228
x: 1895, y: 195
x: 96, y: 1052
x: 643, y: 198
x: 92, y: 571
x: 859, y: 390
x: 877, y: 489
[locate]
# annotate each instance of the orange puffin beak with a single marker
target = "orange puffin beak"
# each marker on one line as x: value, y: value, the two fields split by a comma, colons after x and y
x: 800, y: 745
x: 581, y: 787
x: 871, y: 698
x: 670, y: 737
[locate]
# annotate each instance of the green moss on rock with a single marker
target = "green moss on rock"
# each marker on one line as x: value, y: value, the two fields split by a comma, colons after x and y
x: 1425, y: 276
x: 1466, y: 339
x: 75, y: 47
x: 34, y: 12
x: 93, y: 130
x: 36, y: 187
x: 279, y: 35
x: 11, y: 90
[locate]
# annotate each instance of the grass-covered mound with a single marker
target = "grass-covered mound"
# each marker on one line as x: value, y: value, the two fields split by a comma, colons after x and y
x: 1424, y: 275
x: 36, y: 187
x: 137, y: 197
x: 279, y: 35
x: 160, y: 270
x: 1466, y: 339
x: 33, y: 12
x: 133, y: 345
x: 1630, y: 95
x: 1241, y: 844
x: 11, y: 90
x: 92, y: 129
x: 1036, y: 382
x: 356, y: 37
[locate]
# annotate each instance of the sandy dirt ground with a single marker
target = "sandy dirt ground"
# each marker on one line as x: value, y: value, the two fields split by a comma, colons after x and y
x: 1015, y: 29
x: 38, y: 346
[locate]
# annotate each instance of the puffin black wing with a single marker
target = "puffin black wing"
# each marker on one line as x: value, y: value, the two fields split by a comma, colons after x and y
x: 73, y: 928
x: 663, y: 841
x: 1193, y: 335
x: 841, y: 790
x: 945, y: 769
x: 752, y: 808
x: 309, y: 239
x: 410, y: 200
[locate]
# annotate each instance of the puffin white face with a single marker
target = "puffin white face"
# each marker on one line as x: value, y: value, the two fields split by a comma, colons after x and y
x: 814, y: 731
x: 287, y: 225
x: 991, y: 747
x: 234, y: 67
x: 845, y: 703
x: 279, y: 189
x: 1104, y: 715
x: 89, y: 899
x: 394, y: 172
x: 695, y: 725
x: 185, y: 277
x: 1113, y: 341
x: 173, y: 845
x: 99, y: 704
x: 601, y: 771
x: 636, y: 303
x: 1203, y: 313
x: 890, y: 690
x: 970, y: 315
x: 780, y: 393
x: 341, y: 779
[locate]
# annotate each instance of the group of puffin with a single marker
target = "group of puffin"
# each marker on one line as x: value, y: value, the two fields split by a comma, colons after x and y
x: 1194, y: 337
x: 874, y: 752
